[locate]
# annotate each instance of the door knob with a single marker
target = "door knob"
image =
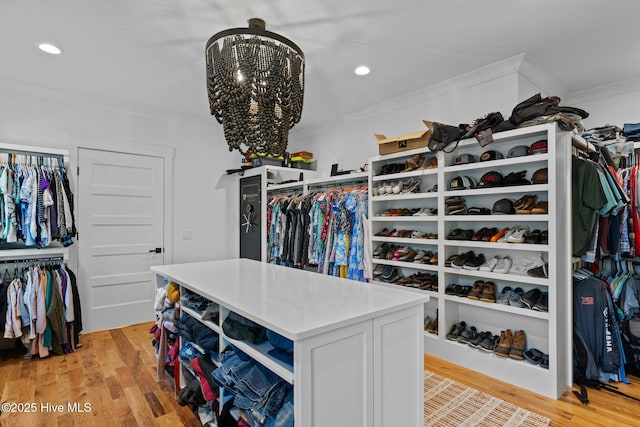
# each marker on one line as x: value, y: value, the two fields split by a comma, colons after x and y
x: 155, y: 251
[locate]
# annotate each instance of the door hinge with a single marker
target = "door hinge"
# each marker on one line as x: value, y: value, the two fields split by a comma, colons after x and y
x: 78, y: 171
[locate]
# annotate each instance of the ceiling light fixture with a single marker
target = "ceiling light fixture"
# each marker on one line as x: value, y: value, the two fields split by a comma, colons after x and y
x: 49, y: 48
x: 362, y: 70
x: 255, y: 83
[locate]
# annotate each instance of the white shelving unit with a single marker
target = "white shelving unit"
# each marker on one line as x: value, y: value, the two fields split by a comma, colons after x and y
x: 358, y: 351
x: 271, y: 178
x: 549, y: 331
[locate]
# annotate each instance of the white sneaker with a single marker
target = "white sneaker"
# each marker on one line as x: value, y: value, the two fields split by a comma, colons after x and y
x: 520, y: 232
x: 503, y: 266
x: 523, y: 264
x: 491, y: 264
x: 506, y: 236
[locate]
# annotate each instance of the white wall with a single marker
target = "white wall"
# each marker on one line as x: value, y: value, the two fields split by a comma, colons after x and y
x: 615, y: 104
x: 204, y: 198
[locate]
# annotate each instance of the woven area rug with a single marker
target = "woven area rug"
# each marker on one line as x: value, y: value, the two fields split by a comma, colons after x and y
x: 449, y: 403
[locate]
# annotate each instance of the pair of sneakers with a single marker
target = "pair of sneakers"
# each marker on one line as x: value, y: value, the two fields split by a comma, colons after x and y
x: 497, y: 264
x: 512, y: 297
x: 517, y: 234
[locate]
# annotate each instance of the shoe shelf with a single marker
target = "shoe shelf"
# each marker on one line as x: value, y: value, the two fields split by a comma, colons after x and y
x: 540, y: 281
x: 416, y: 265
x: 498, y: 307
x: 511, y: 190
x: 403, y: 175
x: 546, y: 330
x: 407, y: 241
x: 498, y: 164
x: 403, y: 218
x: 406, y: 288
x: 405, y: 196
x: 498, y: 218
x: 530, y: 247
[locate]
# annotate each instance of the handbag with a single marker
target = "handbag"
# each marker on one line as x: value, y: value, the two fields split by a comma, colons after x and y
x: 442, y: 136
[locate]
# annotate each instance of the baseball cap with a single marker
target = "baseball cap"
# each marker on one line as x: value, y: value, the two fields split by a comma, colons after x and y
x: 478, y: 211
x: 541, y: 176
x: 462, y: 159
x: 462, y: 183
x: 503, y: 206
x: 490, y: 155
x: 516, y: 178
x: 518, y: 151
x: 491, y: 179
x: 538, y: 147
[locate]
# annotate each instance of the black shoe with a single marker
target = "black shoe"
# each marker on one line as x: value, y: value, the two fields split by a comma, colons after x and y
x: 456, y: 330
x: 531, y: 297
x: 541, y: 271
x: 452, y: 289
x: 543, y: 303
x: 475, y: 342
x: 463, y: 291
x: 474, y: 262
x: 489, y: 343
x: 468, y: 334
x: 461, y: 260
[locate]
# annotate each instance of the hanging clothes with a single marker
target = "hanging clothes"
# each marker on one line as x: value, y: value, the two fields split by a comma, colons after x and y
x: 41, y: 306
x: 36, y: 202
x: 324, y: 230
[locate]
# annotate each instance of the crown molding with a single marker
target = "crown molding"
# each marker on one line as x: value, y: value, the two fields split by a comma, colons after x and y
x: 540, y: 78
x: 606, y: 91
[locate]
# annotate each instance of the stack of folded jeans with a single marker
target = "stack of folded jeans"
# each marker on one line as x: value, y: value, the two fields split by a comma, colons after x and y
x: 193, y: 331
x: 194, y: 301
x: 257, y: 390
x: 282, y: 347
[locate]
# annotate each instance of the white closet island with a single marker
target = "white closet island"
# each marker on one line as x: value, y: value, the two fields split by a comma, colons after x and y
x: 358, y: 348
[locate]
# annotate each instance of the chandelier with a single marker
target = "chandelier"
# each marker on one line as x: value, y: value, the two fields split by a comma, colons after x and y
x: 255, y: 83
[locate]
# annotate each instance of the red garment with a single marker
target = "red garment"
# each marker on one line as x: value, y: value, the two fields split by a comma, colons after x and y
x: 634, y: 212
x: 207, y: 392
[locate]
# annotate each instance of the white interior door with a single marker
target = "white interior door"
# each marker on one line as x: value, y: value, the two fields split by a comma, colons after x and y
x: 121, y: 224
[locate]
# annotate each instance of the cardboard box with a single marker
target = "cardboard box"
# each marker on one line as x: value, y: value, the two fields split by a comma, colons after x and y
x: 403, y: 142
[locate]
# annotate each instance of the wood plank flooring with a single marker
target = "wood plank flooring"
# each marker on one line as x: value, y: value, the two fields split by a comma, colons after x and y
x: 114, y: 373
x: 604, y: 409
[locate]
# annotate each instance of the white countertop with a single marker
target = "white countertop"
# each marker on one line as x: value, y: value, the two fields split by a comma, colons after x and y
x: 292, y: 302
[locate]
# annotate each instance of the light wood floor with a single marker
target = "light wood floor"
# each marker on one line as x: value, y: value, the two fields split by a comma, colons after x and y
x: 114, y: 372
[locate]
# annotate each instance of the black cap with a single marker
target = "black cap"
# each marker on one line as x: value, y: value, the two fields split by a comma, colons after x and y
x: 491, y: 179
x: 503, y: 206
x: 491, y: 155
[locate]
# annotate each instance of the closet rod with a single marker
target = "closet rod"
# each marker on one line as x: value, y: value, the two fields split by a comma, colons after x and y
x: 27, y: 260
x: 337, y: 185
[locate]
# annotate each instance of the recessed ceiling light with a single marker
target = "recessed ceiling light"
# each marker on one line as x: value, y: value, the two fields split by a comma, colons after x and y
x: 362, y: 70
x: 49, y: 48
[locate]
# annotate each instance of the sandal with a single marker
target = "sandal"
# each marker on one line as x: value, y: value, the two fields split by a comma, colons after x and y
x: 411, y: 186
x: 540, y: 208
x: 544, y: 237
x: 533, y: 237
x: 524, y: 204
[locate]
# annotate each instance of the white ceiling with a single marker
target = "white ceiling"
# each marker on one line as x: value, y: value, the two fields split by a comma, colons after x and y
x: 150, y: 53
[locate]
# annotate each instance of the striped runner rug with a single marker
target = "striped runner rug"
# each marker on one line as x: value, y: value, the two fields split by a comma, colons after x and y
x: 449, y: 403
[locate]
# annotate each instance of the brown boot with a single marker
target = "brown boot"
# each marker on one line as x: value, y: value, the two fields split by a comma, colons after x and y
x: 504, y: 344
x: 488, y: 292
x: 519, y: 345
